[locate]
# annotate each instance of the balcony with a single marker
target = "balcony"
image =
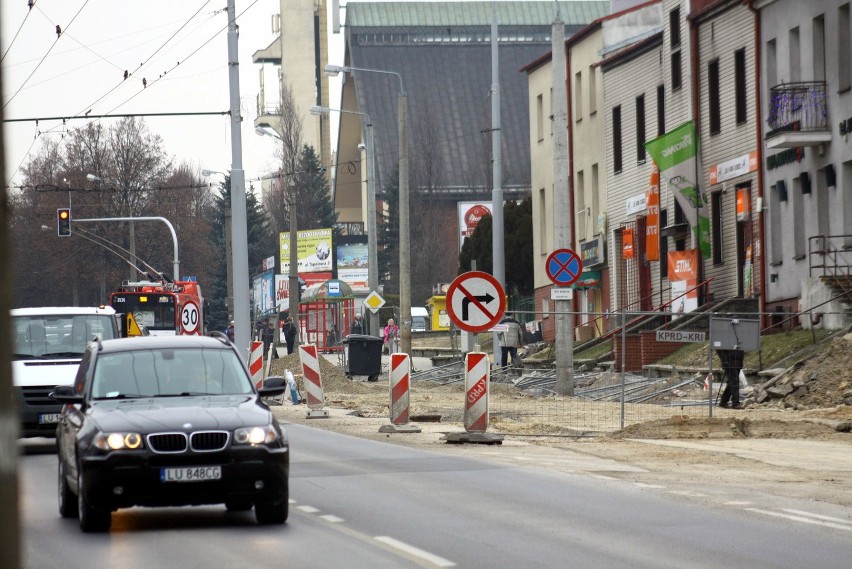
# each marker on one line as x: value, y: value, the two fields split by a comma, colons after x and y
x: 798, y: 115
x: 272, y: 53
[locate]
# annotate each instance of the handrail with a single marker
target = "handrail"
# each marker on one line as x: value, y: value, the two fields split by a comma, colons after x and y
x: 828, y: 253
x: 657, y: 309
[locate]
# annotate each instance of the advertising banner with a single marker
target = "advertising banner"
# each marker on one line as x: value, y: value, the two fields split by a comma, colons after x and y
x: 627, y: 243
x: 353, y: 266
x: 263, y: 293
x: 313, y: 251
x: 652, y: 223
x: 470, y: 213
x: 683, y: 276
x: 675, y: 154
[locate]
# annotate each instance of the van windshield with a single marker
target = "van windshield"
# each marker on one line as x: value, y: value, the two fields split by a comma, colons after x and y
x: 58, y: 336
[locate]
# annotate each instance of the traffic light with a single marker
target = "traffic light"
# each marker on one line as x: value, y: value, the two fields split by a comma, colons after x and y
x: 63, y: 221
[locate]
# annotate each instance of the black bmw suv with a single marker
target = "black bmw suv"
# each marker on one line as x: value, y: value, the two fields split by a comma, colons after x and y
x: 169, y: 421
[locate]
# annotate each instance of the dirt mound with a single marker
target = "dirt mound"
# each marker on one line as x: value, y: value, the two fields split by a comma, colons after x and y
x: 820, y: 381
x: 683, y: 427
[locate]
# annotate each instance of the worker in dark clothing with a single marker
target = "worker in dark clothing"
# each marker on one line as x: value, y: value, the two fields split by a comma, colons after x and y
x: 357, y: 327
x: 732, y: 363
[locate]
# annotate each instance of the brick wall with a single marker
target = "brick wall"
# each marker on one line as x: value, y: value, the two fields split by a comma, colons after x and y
x: 642, y: 349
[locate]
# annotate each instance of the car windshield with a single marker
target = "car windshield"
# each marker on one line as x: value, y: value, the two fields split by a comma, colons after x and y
x: 59, y: 336
x: 169, y: 373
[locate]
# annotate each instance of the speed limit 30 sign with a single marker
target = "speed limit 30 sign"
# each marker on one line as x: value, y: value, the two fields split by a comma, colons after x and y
x: 190, y: 318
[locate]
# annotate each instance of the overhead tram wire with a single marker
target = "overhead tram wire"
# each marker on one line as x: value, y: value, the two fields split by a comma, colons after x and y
x: 44, y: 56
x: 24, y: 21
x: 196, y: 50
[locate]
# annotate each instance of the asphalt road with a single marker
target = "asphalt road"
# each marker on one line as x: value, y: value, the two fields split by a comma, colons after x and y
x: 362, y: 503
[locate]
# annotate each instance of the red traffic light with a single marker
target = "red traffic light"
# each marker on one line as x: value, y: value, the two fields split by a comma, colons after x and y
x: 63, y: 222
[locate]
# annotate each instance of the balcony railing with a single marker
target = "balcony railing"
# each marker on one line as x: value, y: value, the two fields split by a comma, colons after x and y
x: 798, y: 107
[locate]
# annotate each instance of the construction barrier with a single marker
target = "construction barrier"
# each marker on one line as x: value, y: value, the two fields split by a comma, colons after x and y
x: 477, y: 374
x: 400, y: 374
x: 256, y: 363
x: 311, y: 373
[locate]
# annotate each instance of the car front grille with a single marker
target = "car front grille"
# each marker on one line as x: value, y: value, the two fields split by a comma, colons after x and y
x: 207, y: 441
x: 38, y: 395
x: 200, y: 441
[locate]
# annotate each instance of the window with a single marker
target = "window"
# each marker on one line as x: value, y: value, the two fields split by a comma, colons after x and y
x: 716, y: 226
x: 844, y: 54
x: 795, y: 55
x: 661, y: 110
x: 664, y: 245
x: 771, y: 64
x: 740, y: 85
x: 715, y: 108
x: 676, y: 71
x: 542, y: 221
x: 674, y: 27
x: 798, y: 210
x: 640, y: 129
x: 539, y: 117
x: 578, y: 96
x: 593, y: 90
x: 596, y: 208
x: 616, y: 139
x: 775, y: 230
x: 680, y: 217
x: 580, y: 198
x: 819, y: 48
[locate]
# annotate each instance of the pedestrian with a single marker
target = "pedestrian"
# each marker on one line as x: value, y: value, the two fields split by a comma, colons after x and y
x: 510, y: 340
x: 289, y: 334
x: 357, y: 327
x: 732, y: 363
x: 229, y: 331
x: 391, y: 337
x: 268, y: 336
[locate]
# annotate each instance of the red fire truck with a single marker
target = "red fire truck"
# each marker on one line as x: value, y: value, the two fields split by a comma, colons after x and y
x: 163, y: 308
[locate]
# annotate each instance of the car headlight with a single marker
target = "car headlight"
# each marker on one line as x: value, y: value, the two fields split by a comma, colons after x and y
x: 256, y: 435
x: 118, y: 441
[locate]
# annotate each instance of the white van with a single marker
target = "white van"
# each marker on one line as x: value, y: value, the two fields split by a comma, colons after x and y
x: 48, y: 345
x: 419, y: 319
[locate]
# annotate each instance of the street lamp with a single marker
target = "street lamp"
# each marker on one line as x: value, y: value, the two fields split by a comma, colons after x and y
x: 404, y: 232
x: 293, y: 273
x: 132, y: 243
x: 372, y: 235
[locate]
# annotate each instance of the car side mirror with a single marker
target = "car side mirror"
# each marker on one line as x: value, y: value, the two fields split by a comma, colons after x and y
x: 273, y: 386
x: 66, y: 394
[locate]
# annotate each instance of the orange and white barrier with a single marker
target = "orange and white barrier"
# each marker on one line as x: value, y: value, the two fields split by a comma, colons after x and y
x: 256, y: 363
x: 400, y: 375
x: 312, y: 375
x: 477, y: 375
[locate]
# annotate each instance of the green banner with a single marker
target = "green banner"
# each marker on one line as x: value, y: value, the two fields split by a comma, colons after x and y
x: 675, y: 155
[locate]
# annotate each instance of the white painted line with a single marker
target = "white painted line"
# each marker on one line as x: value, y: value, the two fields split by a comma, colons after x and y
x: 817, y: 516
x: 602, y: 477
x: 413, y: 551
x: 308, y: 509
x: 689, y: 493
x: 737, y: 503
x: 801, y: 519
x: 331, y: 519
x: 643, y: 485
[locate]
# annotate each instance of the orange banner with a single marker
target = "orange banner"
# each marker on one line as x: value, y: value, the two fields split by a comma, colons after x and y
x: 627, y: 243
x: 683, y: 265
x: 743, y: 203
x: 652, y: 223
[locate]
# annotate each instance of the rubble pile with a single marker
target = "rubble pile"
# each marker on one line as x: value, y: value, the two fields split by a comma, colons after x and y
x: 824, y: 380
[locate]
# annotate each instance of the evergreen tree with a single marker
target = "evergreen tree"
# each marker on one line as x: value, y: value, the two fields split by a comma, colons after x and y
x: 314, y: 209
x: 388, y: 236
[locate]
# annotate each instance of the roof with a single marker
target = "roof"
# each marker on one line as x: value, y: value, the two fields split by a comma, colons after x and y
x: 62, y: 310
x: 164, y: 343
x: 442, y: 51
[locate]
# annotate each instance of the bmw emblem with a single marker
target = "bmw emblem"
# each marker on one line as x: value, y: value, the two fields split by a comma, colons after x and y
x: 187, y: 425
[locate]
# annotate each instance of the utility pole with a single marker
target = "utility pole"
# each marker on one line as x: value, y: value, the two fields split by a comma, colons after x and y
x: 294, y: 292
x: 562, y: 212
x: 498, y: 255
x: 239, y: 231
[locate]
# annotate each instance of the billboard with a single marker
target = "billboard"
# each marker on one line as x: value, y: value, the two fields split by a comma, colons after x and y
x: 263, y: 294
x: 353, y: 265
x: 469, y: 215
x: 313, y: 251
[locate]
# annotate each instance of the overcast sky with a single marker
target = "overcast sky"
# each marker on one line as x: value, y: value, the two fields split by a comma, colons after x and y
x: 83, y: 70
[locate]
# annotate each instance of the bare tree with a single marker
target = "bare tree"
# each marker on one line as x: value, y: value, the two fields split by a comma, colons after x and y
x: 289, y: 131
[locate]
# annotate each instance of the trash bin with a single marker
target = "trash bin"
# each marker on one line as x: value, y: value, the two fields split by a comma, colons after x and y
x: 364, y: 356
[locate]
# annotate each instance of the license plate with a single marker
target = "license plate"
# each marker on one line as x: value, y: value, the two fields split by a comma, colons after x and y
x: 48, y: 418
x: 191, y: 474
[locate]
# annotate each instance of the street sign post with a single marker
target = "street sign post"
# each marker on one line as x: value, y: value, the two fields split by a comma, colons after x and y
x: 475, y: 301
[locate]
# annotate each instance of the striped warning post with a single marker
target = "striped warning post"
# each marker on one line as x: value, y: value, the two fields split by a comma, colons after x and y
x: 311, y: 373
x: 256, y: 364
x: 477, y: 373
x: 400, y: 374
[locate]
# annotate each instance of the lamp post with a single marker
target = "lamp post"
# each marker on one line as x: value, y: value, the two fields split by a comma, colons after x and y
x: 293, y: 278
x: 372, y: 235
x: 404, y: 232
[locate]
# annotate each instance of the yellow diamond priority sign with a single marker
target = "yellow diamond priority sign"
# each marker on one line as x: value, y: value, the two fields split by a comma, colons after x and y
x: 374, y: 301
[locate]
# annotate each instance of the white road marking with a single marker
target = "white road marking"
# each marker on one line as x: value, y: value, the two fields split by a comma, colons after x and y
x: 414, y: 551
x: 689, y: 493
x: 644, y: 485
x: 803, y: 519
x: 737, y: 503
x: 308, y: 509
x: 818, y: 516
x: 331, y: 519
